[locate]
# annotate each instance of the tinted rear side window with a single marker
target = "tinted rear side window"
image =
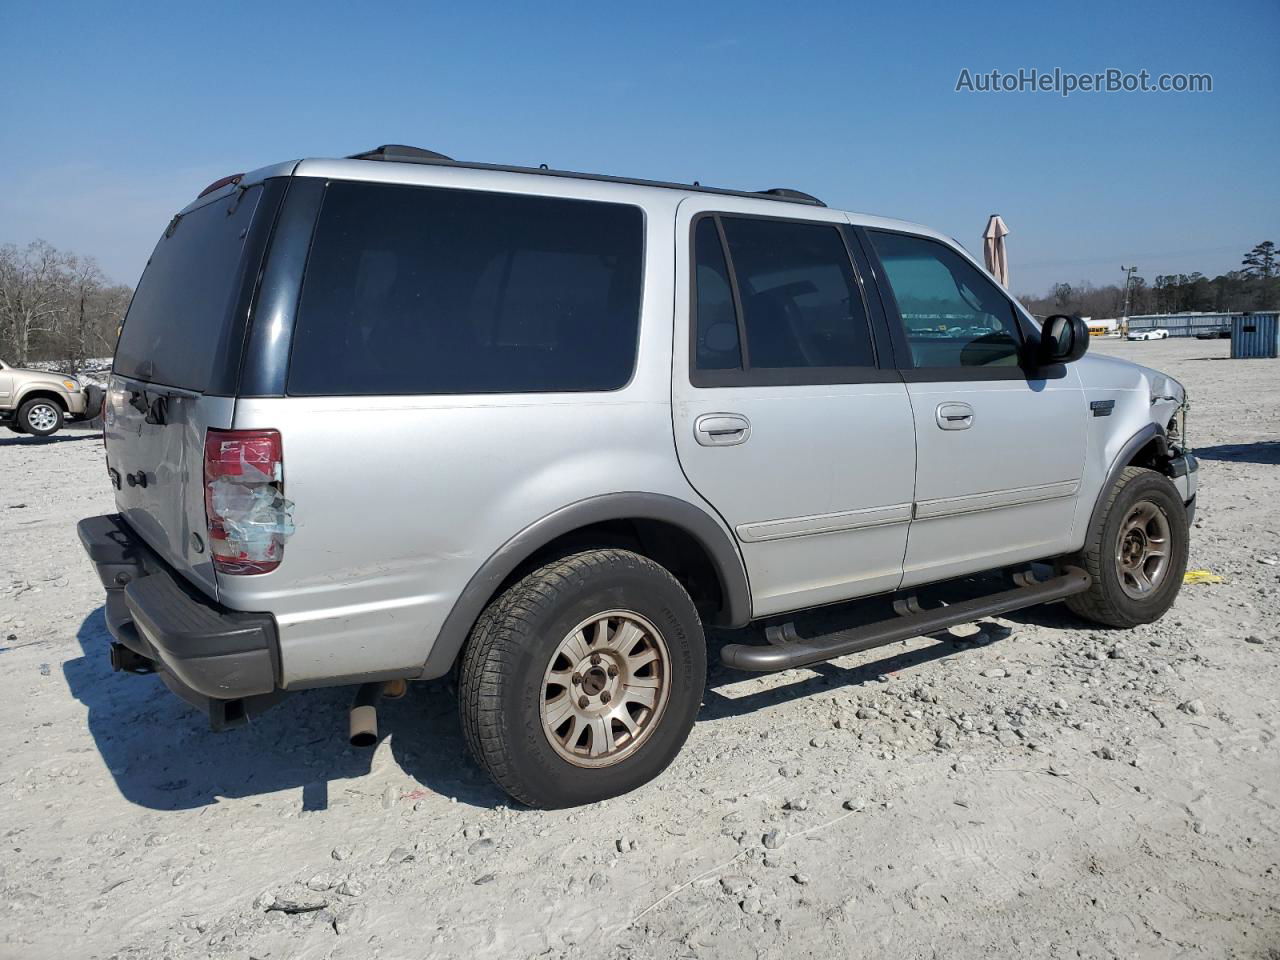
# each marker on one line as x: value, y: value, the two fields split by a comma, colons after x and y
x: 179, y: 322
x: 419, y: 290
x: 801, y: 306
x: 717, y: 345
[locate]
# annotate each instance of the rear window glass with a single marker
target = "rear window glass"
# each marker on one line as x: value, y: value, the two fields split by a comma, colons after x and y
x: 419, y: 290
x: 180, y: 317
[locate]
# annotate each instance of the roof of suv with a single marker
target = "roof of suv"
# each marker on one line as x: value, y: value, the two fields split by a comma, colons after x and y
x: 393, y: 156
x: 397, y: 153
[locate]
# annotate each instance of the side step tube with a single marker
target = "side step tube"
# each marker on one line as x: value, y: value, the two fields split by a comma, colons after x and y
x: 801, y: 652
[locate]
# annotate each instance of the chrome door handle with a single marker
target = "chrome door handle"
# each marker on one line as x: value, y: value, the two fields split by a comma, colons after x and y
x: 954, y: 416
x: 721, y: 429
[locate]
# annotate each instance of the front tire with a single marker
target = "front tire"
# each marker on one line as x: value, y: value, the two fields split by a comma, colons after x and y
x: 582, y: 681
x: 40, y: 417
x: 1137, y: 555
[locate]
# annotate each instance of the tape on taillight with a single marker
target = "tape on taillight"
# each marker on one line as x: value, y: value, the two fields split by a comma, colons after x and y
x: 248, y: 517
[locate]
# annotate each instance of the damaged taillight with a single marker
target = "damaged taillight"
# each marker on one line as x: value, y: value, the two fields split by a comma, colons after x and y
x: 244, y: 503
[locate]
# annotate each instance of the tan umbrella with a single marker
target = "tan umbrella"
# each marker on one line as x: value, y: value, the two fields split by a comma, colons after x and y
x: 994, y: 250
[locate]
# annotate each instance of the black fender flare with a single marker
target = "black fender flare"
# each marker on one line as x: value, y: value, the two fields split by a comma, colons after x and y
x: 693, y: 520
x: 1152, y: 431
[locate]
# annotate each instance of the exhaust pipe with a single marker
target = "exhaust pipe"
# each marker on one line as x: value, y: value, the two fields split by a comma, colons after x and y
x: 364, y: 715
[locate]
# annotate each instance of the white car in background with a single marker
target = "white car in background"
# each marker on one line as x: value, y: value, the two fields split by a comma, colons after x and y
x: 1159, y: 333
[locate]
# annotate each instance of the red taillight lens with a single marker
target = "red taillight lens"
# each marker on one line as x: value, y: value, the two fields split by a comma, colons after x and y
x: 244, y: 503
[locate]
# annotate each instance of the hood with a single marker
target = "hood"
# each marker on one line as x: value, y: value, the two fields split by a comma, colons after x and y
x: 42, y: 376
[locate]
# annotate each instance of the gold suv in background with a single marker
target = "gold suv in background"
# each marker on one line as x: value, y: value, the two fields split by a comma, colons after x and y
x: 39, y: 403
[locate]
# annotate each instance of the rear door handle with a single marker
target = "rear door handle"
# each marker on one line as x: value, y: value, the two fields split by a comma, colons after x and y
x: 954, y: 416
x: 721, y: 429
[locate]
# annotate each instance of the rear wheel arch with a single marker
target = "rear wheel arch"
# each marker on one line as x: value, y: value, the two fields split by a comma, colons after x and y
x: 681, y: 537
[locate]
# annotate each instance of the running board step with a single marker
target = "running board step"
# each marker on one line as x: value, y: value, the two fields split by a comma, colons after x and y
x: 801, y: 652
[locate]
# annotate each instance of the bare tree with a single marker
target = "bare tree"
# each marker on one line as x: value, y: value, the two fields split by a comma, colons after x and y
x: 32, y: 285
x: 56, y: 306
x: 90, y: 313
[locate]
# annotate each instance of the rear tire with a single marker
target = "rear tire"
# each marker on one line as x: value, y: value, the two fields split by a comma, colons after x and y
x: 40, y: 417
x: 1136, y: 555
x: 582, y: 681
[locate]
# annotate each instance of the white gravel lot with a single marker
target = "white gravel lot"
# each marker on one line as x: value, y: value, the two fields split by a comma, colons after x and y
x: 1110, y: 794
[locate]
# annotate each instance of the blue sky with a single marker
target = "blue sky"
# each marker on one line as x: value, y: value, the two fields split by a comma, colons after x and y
x: 117, y: 115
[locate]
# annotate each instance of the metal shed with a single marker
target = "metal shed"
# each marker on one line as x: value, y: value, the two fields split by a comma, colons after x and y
x: 1255, y: 335
x: 1182, y: 324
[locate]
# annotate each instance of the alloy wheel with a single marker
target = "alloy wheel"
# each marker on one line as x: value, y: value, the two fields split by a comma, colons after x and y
x: 605, y: 688
x: 1142, y: 551
x: 42, y: 416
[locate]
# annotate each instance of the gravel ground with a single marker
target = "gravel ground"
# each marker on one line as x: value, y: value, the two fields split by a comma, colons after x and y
x: 1030, y: 787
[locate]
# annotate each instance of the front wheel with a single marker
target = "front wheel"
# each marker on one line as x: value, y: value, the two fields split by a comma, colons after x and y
x: 1137, y: 555
x: 40, y: 417
x: 581, y: 682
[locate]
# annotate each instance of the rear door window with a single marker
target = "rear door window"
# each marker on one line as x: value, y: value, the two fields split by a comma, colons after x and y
x: 784, y: 305
x: 421, y: 290
x: 179, y: 324
x: 716, y: 346
x: 800, y: 303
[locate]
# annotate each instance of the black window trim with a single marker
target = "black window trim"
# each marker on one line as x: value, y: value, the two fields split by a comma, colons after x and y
x: 884, y: 371
x: 1028, y: 340
x: 297, y: 280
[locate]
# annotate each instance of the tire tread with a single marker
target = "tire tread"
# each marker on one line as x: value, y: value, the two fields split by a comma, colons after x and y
x: 496, y: 642
x: 1095, y: 603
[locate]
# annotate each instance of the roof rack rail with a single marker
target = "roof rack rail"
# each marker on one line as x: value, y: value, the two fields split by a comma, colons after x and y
x: 398, y: 153
x: 786, y: 193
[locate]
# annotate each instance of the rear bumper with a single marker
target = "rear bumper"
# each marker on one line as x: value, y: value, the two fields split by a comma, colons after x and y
x: 207, y: 654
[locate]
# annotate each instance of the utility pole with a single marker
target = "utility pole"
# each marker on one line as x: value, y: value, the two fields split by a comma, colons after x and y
x: 1128, y: 283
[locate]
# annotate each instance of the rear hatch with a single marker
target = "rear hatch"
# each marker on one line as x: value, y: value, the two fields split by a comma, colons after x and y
x: 175, y: 370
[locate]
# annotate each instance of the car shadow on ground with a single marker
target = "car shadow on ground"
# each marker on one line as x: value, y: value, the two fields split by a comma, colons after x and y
x: 163, y: 755
x: 1264, y: 452
x: 44, y: 441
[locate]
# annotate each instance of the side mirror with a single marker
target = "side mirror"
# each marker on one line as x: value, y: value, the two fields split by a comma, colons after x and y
x: 1063, y: 339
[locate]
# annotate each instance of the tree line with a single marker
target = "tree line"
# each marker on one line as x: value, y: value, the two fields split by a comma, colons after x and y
x: 1255, y: 286
x: 56, y: 305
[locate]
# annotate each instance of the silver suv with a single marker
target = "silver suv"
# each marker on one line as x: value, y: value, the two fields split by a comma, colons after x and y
x: 381, y: 418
